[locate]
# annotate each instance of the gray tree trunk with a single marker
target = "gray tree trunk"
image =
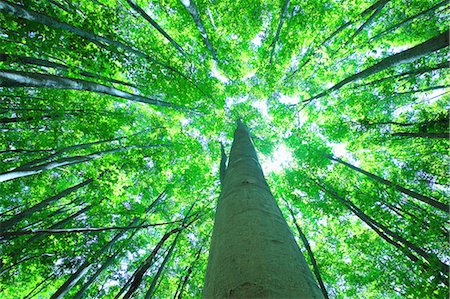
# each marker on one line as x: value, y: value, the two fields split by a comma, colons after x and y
x: 140, y: 11
x: 253, y: 253
x: 433, y: 44
x: 284, y: 11
x: 192, y: 9
x: 25, y: 79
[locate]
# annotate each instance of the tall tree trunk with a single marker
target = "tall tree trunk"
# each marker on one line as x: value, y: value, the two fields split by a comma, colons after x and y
x: 253, y: 252
x: 5, y: 225
x: 280, y: 25
x: 434, y: 44
x: 310, y: 253
x: 25, y: 79
x: 67, y: 161
x: 155, y: 279
x: 139, y: 274
x: 192, y: 9
x: 139, y: 10
x: 401, y: 242
x: 59, y: 66
x: 183, y: 281
x: 409, y: 19
x: 102, y: 42
x: 428, y: 200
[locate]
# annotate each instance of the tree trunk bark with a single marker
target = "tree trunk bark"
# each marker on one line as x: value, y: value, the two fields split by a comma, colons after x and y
x: 253, y: 252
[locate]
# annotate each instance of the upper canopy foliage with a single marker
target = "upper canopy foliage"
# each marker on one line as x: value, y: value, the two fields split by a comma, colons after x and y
x: 113, y: 113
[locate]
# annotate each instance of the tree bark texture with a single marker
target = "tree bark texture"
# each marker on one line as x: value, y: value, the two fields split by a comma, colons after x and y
x: 253, y: 253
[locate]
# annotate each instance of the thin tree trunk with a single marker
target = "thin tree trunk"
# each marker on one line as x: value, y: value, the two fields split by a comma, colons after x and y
x: 35, y: 169
x: 311, y: 52
x: 84, y: 268
x: 420, y: 90
x: 428, y: 200
x: 434, y: 44
x: 155, y: 279
x: 42, y: 286
x: 409, y: 19
x: 408, y: 74
x: 414, y: 219
x: 9, y: 78
x: 81, y: 271
x: 59, y: 152
x: 45, y: 117
x: 376, y: 10
x: 24, y: 259
x: 445, y: 135
x: 60, y: 224
x: 431, y: 258
x: 81, y: 230
x: 139, y: 10
x: 253, y: 252
x: 183, y: 281
x: 135, y: 280
x: 5, y: 225
x: 192, y: 9
x: 108, y: 262
x: 443, y: 121
x: 110, y: 259
x: 60, y: 66
x: 22, y: 12
x: 284, y: 11
x: 139, y: 274
x: 310, y: 254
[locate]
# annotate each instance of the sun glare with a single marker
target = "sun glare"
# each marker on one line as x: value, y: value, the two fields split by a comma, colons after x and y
x: 280, y: 159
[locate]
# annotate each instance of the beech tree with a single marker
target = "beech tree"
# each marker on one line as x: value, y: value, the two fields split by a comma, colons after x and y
x: 117, y: 118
